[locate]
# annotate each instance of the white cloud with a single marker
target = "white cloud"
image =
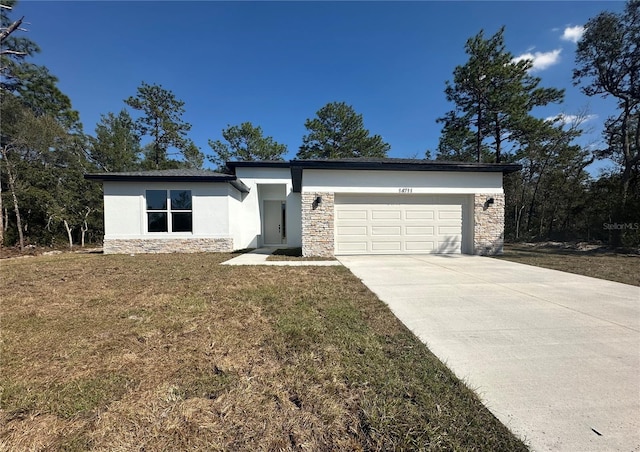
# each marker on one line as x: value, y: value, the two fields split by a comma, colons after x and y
x: 541, y: 60
x: 570, y: 119
x: 573, y: 34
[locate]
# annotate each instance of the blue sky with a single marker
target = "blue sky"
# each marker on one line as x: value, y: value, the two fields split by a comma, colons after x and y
x: 276, y: 63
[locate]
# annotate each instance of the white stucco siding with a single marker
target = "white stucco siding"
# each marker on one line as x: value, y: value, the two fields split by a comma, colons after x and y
x: 264, y: 175
x: 294, y: 220
x: 248, y: 224
x: 125, y: 213
x: 272, y: 192
x: 211, y: 210
x: 122, y: 209
x: 235, y: 216
x: 419, y: 182
x: 266, y: 184
x: 467, y: 225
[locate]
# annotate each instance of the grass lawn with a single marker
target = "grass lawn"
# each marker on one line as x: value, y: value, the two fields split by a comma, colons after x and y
x: 175, y: 352
x: 624, y: 268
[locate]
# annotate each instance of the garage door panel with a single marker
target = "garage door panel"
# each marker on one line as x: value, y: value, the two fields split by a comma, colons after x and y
x: 419, y: 230
x: 420, y: 246
x: 379, y: 224
x: 395, y: 245
x: 386, y: 230
x: 352, y: 247
x: 449, y: 230
x: 419, y: 215
x: 386, y: 214
x: 352, y: 214
x: 449, y: 248
x: 449, y: 214
x: 352, y: 230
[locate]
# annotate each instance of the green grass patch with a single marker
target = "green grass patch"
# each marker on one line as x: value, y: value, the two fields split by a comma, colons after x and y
x: 294, y: 254
x: 291, y: 252
x: 67, y: 400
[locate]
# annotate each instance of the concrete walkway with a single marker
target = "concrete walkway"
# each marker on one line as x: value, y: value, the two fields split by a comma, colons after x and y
x: 259, y: 257
x: 555, y: 356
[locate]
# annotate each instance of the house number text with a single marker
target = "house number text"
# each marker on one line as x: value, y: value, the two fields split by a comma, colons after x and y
x: 405, y: 190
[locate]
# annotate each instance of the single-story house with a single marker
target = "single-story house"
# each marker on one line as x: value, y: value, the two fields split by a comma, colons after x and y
x: 327, y: 207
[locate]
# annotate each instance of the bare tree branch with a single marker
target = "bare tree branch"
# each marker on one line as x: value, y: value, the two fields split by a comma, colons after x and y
x: 12, y: 52
x: 10, y: 29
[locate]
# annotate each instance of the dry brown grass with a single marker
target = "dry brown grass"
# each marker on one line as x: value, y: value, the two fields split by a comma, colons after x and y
x: 175, y: 352
x: 294, y: 254
x: 597, y: 263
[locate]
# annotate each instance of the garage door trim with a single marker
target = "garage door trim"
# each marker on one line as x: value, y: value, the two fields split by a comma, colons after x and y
x: 398, y: 224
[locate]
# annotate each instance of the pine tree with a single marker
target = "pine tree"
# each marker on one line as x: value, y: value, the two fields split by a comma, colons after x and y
x: 245, y: 143
x: 337, y: 132
x: 493, y: 97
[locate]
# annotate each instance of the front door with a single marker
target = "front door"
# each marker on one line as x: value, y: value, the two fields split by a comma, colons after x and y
x: 274, y: 222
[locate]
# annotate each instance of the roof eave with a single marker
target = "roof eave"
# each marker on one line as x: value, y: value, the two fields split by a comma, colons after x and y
x: 141, y: 178
x: 240, y: 186
x: 395, y: 166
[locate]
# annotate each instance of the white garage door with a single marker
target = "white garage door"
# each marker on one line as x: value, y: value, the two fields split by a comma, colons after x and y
x: 407, y: 224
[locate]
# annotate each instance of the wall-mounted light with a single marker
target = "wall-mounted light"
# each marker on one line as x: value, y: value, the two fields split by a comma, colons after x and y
x: 490, y: 201
x: 318, y: 200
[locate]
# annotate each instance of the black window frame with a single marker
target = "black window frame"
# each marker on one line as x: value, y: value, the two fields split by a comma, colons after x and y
x: 169, y: 219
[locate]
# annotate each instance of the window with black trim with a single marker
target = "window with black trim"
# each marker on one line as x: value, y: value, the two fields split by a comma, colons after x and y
x: 169, y: 210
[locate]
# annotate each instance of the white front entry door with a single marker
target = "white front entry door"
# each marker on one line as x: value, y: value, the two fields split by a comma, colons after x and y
x: 273, y: 222
x: 379, y: 224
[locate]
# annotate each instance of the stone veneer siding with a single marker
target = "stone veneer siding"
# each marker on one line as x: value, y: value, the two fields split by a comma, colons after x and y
x: 143, y: 246
x: 488, y: 229
x: 317, y: 224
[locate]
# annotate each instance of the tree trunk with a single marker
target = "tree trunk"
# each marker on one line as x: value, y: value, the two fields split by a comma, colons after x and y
x: 554, y: 210
x: 16, y: 208
x: 498, y: 141
x: 479, y: 137
x: 541, y: 224
x: 535, y: 194
x: 630, y: 149
x: 518, y: 217
x: 626, y: 150
x: 12, y: 187
x: 85, y: 227
x: 66, y: 226
x: 156, y: 145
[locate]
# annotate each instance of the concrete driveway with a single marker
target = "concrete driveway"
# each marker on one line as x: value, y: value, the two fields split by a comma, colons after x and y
x: 555, y: 356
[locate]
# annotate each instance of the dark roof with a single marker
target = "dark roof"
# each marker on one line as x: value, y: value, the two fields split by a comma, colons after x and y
x: 258, y: 164
x: 393, y: 164
x: 379, y: 163
x: 406, y: 165
x: 154, y: 174
x: 171, y: 175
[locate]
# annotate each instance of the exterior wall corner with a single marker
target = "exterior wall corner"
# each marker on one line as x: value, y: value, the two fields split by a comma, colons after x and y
x: 488, y: 224
x: 318, y: 224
